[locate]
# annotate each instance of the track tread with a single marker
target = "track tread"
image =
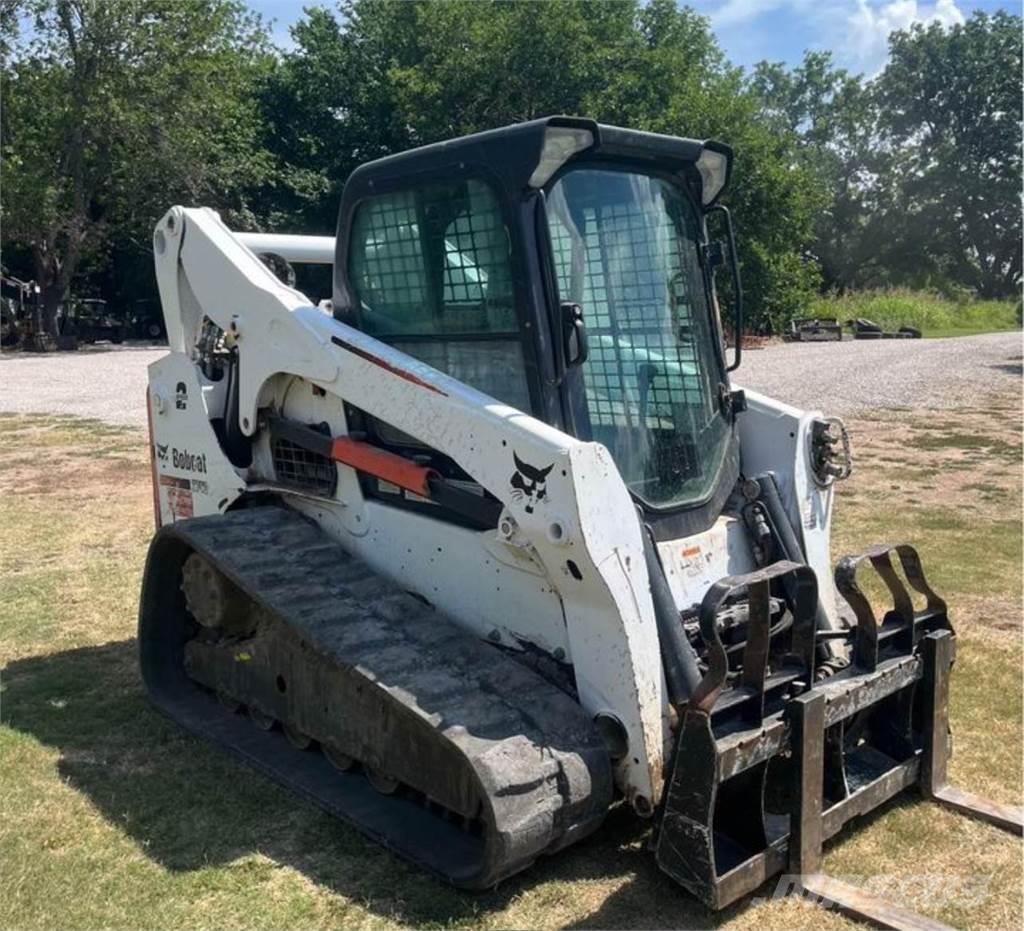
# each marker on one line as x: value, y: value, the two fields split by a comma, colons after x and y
x: 536, y: 755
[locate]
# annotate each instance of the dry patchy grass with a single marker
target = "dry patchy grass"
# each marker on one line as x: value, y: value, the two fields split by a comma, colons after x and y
x: 113, y: 817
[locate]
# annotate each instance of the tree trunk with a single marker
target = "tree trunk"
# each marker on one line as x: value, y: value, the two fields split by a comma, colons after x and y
x: 51, y: 298
x: 53, y: 275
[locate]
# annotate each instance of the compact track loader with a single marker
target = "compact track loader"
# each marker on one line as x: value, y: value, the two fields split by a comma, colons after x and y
x: 489, y: 542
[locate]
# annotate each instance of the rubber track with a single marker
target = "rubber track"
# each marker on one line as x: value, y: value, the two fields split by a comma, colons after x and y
x: 540, y: 766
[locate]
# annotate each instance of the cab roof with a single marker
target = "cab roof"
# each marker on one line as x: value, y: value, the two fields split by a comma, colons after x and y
x: 514, y: 155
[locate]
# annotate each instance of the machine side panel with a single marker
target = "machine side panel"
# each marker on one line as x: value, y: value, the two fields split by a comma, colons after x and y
x: 775, y: 437
x: 192, y: 475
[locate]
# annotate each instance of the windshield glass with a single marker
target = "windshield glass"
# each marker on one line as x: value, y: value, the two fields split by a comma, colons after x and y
x: 625, y: 248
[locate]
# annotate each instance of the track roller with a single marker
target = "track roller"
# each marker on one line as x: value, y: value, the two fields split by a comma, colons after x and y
x: 384, y: 784
x: 296, y: 738
x: 340, y: 761
x: 265, y: 722
x: 228, y: 702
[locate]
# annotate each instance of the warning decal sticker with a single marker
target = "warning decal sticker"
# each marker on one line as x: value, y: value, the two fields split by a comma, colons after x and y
x: 690, y: 560
x: 179, y: 495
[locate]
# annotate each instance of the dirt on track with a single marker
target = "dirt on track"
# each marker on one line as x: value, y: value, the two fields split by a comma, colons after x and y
x: 108, y: 383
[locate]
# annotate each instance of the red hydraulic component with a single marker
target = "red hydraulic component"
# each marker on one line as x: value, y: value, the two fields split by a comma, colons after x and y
x: 382, y: 464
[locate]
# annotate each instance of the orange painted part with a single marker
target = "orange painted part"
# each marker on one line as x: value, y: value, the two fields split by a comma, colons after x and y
x: 382, y: 464
x: 152, y: 464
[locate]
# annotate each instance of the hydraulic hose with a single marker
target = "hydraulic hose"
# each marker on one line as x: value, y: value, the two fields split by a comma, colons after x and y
x: 678, y: 658
x: 787, y: 541
x: 237, y: 445
x: 786, y: 538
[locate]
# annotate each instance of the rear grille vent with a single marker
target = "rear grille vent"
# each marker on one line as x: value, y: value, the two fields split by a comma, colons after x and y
x: 303, y: 470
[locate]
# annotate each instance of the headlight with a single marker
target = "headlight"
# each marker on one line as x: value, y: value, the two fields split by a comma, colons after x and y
x: 714, y: 169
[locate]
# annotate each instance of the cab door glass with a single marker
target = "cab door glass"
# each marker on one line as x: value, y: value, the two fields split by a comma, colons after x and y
x: 625, y: 247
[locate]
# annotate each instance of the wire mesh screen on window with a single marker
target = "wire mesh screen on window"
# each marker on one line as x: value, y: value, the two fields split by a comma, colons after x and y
x: 387, y: 264
x: 434, y: 260
x: 635, y: 294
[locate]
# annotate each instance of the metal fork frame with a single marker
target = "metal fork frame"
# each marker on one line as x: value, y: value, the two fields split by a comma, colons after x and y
x: 726, y: 734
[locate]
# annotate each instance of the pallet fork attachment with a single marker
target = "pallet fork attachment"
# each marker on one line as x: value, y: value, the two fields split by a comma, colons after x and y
x: 768, y: 770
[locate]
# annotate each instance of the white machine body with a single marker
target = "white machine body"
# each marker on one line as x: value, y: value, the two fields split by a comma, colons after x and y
x: 564, y: 573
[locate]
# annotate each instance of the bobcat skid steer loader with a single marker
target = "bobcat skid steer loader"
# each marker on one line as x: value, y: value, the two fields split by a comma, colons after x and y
x: 489, y: 541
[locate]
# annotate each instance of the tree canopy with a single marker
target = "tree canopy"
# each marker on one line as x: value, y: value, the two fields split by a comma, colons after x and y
x: 116, y: 109
x: 949, y: 110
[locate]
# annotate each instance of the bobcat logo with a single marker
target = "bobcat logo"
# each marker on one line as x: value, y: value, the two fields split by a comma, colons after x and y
x: 529, y: 483
x: 161, y: 451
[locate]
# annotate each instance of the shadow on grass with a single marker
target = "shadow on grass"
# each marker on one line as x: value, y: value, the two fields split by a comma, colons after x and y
x: 189, y: 807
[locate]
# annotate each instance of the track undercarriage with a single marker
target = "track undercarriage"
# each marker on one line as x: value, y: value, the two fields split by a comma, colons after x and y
x: 434, y: 743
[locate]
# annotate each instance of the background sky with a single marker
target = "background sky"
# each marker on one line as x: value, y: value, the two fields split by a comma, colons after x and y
x: 777, y: 30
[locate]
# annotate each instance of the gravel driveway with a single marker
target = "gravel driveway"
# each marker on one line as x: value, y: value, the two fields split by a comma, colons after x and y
x: 861, y: 375
x: 109, y: 382
x: 106, y: 382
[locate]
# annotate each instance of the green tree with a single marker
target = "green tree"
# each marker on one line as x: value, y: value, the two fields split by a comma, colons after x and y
x: 114, y: 110
x: 950, y: 112
x: 327, y: 108
x: 382, y: 77
x: 832, y: 115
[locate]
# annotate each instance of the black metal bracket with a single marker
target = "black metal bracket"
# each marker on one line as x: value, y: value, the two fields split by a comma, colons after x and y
x: 901, y: 622
x: 807, y: 716
x: 802, y: 589
x: 752, y: 794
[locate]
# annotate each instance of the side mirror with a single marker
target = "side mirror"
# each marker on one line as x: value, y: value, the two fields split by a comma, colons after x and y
x: 737, y: 286
x: 574, y: 335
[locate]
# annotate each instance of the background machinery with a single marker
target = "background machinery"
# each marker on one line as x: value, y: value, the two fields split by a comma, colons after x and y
x: 489, y: 541
x: 20, y: 314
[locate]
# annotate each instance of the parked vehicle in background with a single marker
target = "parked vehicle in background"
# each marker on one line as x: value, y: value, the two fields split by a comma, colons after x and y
x: 9, y: 335
x: 20, y: 321
x: 147, y: 320
x: 90, y: 320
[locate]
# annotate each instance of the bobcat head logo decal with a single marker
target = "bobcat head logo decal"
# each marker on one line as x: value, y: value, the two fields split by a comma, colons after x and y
x: 161, y: 451
x: 529, y: 483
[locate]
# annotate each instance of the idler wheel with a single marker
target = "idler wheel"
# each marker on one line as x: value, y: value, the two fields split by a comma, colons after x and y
x: 296, y: 738
x: 265, y: 722
x: 212, y: 600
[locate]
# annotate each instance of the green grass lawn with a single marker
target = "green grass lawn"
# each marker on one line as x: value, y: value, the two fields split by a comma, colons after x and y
x: 111, y: 816
x: 949, y: 332
x: 934, y: 315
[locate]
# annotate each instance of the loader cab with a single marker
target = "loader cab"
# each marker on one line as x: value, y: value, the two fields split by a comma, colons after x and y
x: 564, y: 268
